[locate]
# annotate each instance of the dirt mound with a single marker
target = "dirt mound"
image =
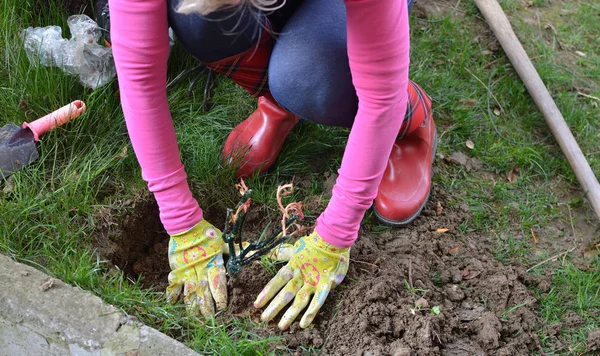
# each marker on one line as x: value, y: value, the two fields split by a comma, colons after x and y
x: 483, y: 307
x: 397, y: 283
x: 409, y: 291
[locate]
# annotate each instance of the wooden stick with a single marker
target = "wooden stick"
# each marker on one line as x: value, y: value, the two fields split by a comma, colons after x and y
x: 550, y: 259
x: 499, y: 23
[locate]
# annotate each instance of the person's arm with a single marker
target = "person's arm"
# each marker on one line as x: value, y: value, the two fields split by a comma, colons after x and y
x: 378, y: 51
x: 140, y: 42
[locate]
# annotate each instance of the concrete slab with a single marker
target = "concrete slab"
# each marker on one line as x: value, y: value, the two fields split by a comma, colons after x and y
x: 44, y: 316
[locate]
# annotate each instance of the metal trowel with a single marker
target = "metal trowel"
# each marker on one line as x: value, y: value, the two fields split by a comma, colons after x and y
x: 17, y: 144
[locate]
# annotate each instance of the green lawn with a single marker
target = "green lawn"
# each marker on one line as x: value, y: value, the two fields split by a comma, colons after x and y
x: 49, y: 211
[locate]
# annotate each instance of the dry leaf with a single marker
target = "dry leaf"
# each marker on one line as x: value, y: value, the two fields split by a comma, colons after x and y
x: 458, y: 158
x: 470, y: 275
x: 468, y: 102
x: 580, y: 54
x: 330, y: 180
x: 9, y: 185
x: 497, y: 112
x: 551, y: 27
x: 470, y: 144
x: 123, y: 153
x: 441, y: 230
x: 591, y: 252
x: 454, y: 250
x: 535, y: 240
x: 486, y: 52
x: 438, y: 208
x: 47, y: 285
x: 513, y: 175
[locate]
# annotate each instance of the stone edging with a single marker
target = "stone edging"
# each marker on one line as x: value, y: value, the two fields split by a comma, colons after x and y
x: 44, y: 316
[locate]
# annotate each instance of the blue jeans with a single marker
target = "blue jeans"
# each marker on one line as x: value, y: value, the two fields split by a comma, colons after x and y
x: 308, y: 72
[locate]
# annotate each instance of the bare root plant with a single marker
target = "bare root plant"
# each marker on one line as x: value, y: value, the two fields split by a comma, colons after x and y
x: 234, y: 222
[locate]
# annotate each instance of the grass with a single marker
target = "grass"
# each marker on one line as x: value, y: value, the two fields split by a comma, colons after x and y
x: 574, y: 291
x: 48, y: 217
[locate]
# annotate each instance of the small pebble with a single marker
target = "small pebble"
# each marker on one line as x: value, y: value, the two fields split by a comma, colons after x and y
x: 422, y: 303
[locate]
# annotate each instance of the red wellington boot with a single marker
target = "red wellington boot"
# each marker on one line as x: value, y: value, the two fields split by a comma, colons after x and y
x: 254, y: 144
x: 406, y: 183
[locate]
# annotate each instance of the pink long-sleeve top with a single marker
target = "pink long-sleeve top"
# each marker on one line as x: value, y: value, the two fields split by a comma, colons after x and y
x: 378, y: 52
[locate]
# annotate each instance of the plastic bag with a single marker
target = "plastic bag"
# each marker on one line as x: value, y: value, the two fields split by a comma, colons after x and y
x: 81, y: 55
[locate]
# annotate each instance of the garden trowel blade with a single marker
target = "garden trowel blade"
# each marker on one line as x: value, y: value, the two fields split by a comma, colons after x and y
x: 17, y: 149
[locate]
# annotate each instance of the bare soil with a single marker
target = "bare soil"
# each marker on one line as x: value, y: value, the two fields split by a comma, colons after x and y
x: 133, y: 239
x: 484, y: 307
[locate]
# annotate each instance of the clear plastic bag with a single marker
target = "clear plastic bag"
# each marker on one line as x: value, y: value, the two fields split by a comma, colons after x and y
x: 81, y: 55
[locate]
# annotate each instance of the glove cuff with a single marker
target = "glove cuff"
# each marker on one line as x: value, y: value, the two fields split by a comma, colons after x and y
x: 200, y: 230
x: 318, y: 242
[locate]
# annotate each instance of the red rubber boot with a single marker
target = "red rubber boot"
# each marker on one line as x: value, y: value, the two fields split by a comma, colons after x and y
x: 253, y: 146
x: 406, y: 183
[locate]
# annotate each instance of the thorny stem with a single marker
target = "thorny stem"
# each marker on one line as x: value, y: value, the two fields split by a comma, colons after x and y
x: 268, y: 244
x: 294, y: 209
x: 234, y: 221
x: 229, y: 237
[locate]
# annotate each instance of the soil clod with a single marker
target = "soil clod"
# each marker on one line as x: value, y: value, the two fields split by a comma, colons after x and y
x: 593, y: 340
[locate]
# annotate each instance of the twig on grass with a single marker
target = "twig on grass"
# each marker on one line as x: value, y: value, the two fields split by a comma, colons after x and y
x: 410, y: 282
x: 535, y: 240
x: 571, y: 220
x: 551, y: 259
x: 486, y: 88
x: 588, y: 96
x: 490, y: 114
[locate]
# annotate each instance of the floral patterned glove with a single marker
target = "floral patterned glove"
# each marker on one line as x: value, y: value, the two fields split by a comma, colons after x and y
x: 196, y: 261
x: 315, y: 268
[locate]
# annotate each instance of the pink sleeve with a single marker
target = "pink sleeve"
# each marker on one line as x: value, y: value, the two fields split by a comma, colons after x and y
x: 139, y: 34
x: 378, y: 50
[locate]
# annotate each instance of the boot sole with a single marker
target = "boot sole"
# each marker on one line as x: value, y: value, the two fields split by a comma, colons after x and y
x: 410, y: 219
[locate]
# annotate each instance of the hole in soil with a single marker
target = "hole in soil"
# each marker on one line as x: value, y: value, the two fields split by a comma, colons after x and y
x: 136, y: 243
x: 133, y: 238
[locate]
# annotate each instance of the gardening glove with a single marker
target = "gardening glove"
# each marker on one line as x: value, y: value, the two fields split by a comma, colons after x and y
x: 196, y: 260
x: 315, y: 268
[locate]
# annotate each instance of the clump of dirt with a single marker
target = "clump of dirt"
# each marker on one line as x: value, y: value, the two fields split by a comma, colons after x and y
x: 593, y: 340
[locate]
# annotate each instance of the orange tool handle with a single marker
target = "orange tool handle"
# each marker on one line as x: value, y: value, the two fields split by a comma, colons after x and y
x: 55, y: 119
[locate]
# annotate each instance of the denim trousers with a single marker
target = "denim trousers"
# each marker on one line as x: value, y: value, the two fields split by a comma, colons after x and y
x: 308, y: 70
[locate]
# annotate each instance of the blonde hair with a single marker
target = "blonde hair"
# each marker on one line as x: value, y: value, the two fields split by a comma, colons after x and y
x: 204, y: 7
